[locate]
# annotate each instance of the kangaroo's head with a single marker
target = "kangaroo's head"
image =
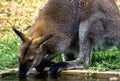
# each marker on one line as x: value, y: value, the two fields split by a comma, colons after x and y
x: 31, y: 52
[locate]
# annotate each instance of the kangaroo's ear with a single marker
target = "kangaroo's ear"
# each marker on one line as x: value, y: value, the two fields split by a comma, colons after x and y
x: 23, y: 37
x: 41, y: 40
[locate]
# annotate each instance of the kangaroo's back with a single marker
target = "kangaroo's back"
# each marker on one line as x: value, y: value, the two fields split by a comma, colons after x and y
x: 110, y: 19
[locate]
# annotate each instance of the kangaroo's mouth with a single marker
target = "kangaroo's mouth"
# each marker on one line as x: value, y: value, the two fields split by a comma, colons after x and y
x: 22, y: 71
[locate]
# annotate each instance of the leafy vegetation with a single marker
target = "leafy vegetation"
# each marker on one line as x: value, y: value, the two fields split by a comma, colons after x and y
x: 106, y: 60
x: 8, y: 51
x: 21, y: 14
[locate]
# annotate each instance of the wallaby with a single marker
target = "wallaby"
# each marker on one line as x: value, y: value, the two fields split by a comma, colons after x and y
x: 64, y: 26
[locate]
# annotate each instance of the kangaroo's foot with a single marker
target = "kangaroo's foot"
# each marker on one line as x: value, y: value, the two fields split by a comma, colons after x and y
x: 56, y: 68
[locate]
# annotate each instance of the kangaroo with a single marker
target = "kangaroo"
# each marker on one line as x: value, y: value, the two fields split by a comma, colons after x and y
x: 65, y: 26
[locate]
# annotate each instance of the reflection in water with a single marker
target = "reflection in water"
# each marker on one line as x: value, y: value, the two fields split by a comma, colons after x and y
x: 44, y: 77
x: 41, y: 77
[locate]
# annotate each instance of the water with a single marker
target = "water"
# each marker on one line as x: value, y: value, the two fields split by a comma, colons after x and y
x: 65, y: 78
x: 44, y: 77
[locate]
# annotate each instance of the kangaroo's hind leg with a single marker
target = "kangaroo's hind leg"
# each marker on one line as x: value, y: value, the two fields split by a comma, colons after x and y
x: 89, y: 33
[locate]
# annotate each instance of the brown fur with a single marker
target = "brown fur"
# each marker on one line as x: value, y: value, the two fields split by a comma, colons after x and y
x: 74, y: 23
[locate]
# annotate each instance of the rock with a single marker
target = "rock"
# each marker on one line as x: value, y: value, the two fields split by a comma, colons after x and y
x: 113, y: 79
x: 5, y: 75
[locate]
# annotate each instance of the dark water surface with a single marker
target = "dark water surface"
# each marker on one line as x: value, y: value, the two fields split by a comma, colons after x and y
x: 44, y: 77
x: 66, y: 78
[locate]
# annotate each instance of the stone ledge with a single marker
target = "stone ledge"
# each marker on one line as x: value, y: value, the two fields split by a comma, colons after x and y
x: 90, y: 73
x: 81, y: 73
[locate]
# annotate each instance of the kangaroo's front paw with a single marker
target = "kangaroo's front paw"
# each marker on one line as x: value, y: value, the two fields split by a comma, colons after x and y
x: 40, y: 67
x: 43, y: 65
x: 56, y: 68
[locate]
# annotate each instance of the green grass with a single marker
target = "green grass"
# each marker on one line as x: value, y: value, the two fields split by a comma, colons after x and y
x: 106, y: 60
x: 8, y: 51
